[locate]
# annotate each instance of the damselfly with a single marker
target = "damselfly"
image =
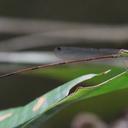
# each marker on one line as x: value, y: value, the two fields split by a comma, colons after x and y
x: 75, y: 55
x: 68, y: 53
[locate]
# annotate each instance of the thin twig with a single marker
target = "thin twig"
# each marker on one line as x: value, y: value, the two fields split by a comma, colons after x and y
x: 59, y: 63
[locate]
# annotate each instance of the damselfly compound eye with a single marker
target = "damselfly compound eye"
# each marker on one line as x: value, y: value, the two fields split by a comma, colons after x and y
x: 59, y: 48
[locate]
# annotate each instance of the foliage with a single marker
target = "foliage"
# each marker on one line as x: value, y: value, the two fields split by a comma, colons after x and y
x: 107, y: 97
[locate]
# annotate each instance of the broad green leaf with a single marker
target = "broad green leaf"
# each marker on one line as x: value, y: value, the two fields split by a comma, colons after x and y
x: 106, y: 100
x: 14, y: 117
x: 57, y: 106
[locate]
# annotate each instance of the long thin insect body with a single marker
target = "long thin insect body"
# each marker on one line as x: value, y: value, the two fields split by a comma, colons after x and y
x: 74, y: 52
x: 60, y: 63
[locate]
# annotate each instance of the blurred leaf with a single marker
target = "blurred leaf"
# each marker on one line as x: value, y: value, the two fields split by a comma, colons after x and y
x: 106, y: 100
x: 56, y: 106
x: 21, y: 115
x: 66, y: 73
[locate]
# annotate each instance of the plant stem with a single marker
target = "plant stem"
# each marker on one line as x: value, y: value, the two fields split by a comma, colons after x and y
x: 59, y: 63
